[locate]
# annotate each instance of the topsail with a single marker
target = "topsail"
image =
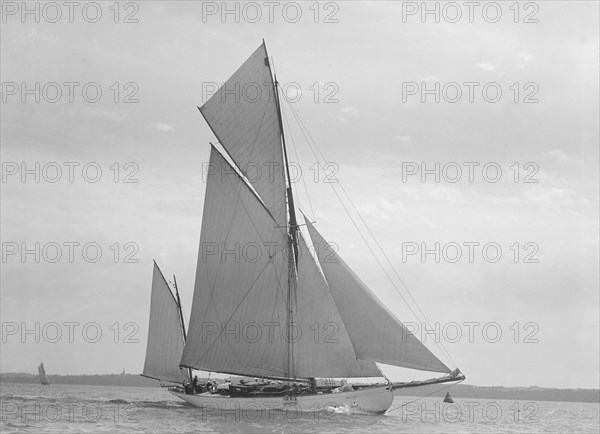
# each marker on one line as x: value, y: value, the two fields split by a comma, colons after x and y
x: 243, y: 116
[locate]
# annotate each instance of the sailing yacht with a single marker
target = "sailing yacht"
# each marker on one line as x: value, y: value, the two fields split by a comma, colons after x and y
x: 42, y: 372
x: 264, y: 305
x: 448, y: 399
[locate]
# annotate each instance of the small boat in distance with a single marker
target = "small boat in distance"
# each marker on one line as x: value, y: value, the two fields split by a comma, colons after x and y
x: 448, y: 399
x: 42, y: 372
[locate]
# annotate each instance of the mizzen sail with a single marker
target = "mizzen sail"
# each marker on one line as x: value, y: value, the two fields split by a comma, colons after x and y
x: 165, y: 336
x: 385, y: 339
x: 243, y: 116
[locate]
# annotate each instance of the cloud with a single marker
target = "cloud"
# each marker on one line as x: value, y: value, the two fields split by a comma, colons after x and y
x: 560, y: 157
x: 523, y: 60
x: 553, y: 198
x: 99, y: 113
x: 163, y: 127
x: 344, y: 111
x: 486, y: 66
x: 405, y: 140
x: 448, y: 194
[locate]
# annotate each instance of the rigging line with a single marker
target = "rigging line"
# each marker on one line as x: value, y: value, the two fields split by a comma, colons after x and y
x: 441, y: 347
x: 429, y: 394
x: 362, y: 236
x: 302, y: 129
x: 287, y: 124
x: 447, y: 353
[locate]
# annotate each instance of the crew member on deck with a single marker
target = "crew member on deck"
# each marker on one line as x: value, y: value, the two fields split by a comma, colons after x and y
x: 313, y: 385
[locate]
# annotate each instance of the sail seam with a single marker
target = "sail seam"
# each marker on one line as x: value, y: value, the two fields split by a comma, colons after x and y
x: 240, y: 303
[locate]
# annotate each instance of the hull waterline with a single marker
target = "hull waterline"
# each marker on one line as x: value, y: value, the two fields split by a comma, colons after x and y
x: 374, y: 400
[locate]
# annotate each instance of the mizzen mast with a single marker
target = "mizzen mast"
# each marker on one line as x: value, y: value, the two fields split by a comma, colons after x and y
x: 181, y: 317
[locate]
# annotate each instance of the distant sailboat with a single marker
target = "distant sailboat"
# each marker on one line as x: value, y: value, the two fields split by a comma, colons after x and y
x: 42, y: 372
x: 247, y: 311
x: 166, y: 334
x: 448, y: 398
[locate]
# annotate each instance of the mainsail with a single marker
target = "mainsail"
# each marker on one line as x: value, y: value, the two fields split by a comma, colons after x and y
x: 241, y: 270
x: 165, y: 336
x: 243, y: 115
x: 42, y: 372
x: 238, y: 320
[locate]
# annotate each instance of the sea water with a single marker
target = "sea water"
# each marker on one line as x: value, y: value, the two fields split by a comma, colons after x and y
x: 30, y: 408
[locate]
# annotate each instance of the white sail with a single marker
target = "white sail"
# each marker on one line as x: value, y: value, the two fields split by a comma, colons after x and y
x: 243, y: 116
x: 42, y: 373
x: 165, y: 336
x: 375, y: 332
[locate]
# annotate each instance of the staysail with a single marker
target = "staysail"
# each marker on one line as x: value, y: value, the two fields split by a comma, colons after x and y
x: 42, y: 373
x: 238, y: 320
x: 165, y: 337
x: 385, y: 339
x: 243, y: 115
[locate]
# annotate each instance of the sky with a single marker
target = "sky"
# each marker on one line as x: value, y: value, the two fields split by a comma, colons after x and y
x: 113, y: 180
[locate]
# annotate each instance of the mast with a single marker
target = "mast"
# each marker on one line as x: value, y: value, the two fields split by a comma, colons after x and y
x: 181, y: 317
x: 292, y: 210
x: 292, y: 239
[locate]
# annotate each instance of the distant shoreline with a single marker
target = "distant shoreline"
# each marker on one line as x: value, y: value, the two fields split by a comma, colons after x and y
x: 458, y: 391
